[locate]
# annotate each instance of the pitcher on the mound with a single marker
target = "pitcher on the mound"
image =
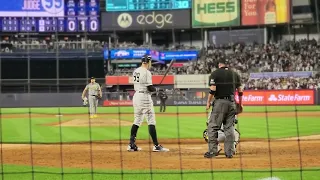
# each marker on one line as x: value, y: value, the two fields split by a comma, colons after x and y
x: 143, y: 105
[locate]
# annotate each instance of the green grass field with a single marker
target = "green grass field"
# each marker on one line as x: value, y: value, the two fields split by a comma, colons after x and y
x: 27, y: 130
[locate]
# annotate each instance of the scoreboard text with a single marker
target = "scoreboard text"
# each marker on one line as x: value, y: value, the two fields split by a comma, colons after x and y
x: 75, y: 16
x: 134, y: 5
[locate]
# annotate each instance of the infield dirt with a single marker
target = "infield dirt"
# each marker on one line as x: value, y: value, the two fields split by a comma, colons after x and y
x: 184, y: 153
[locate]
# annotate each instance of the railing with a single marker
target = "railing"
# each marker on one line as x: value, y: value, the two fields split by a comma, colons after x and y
x: 90, y: 46
x: 45, y: 85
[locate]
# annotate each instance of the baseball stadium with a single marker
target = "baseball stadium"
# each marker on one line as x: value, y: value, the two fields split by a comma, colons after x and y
x: 69, y: 71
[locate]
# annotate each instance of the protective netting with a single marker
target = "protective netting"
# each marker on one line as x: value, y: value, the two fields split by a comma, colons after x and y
x: 43, y: 75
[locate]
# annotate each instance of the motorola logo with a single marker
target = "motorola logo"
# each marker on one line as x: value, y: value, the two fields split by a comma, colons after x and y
x: 124, y: 20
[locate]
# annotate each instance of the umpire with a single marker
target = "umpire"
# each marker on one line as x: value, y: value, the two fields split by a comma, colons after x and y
x: 163, y: 98
x: 223, y: 82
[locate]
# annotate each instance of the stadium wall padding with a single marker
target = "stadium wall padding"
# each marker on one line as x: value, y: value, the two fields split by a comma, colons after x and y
x: 192, y: 98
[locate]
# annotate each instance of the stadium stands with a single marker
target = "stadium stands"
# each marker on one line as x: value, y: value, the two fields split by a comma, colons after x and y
x: 283, y: 56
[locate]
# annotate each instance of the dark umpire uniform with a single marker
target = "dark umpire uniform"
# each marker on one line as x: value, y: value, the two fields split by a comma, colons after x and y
x: 223, y: 83
x: 163, y: 98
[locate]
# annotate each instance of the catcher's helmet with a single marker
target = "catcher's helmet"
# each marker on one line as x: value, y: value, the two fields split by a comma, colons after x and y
x: 146, y: 59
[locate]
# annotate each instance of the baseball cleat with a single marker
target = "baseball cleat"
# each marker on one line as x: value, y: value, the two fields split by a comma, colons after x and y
x: 159, y: 148
x: 133, y: 147
x: 209, y: 155
x: 95, y: 116
x: 229, y: 156
x: 91, y: 117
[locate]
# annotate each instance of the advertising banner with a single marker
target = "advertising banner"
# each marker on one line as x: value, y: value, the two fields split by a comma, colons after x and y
x: 247, y: 36
x: 128, y: 54
x: 278, y: 97
x: 117, y: 103
x: 300, y: 74
x: 191, y: 81
x: 154, y: 54
x: 250, y: 98
x: 126, y: 80
x: 172, y: 102
x: 148, y: 20
x: 217, y: 13
x: 260, y: 12
x: 178, y: 55
x: 35, y: 8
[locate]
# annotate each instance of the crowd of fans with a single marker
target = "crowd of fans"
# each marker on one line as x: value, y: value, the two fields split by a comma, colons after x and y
x: 283, y: 56
x: 303, y: 55
x: 34, y: 45
x: 283, y: 83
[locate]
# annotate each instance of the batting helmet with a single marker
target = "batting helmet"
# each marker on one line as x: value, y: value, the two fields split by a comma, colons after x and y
x: 146, y: 59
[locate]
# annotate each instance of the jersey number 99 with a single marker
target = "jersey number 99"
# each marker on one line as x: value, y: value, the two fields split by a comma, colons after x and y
x: 136, y: 77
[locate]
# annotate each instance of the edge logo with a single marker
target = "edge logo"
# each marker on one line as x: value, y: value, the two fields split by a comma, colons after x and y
x: 159, y: 19
x: 124, y: 20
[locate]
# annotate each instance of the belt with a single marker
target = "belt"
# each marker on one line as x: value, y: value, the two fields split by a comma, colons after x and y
x: 146, y: 92
x: 93, y: 95
x: 225, y: 97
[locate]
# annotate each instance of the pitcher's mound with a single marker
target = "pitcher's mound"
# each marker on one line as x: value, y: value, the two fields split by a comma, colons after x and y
x: 92, y: 122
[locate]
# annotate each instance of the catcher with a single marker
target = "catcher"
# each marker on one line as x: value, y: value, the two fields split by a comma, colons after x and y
x: 94, y: 94
x: 221, y: 135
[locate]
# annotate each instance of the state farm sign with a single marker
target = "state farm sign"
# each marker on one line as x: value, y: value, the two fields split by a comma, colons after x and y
x: 278, y: 97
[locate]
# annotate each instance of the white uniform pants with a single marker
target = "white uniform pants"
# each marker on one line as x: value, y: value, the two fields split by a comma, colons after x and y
x: 143, y: 107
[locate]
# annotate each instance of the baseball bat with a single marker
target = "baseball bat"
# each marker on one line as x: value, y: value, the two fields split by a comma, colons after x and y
x: 167, y: 70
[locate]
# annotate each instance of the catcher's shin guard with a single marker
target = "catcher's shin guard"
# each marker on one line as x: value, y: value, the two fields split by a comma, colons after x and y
x: 205, y: 135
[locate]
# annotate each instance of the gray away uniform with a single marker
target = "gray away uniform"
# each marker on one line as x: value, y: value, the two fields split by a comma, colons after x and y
x: 93, y: 90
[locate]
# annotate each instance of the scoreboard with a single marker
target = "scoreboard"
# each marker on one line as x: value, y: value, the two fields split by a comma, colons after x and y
x: 139, y: 5
x: 49, y: 16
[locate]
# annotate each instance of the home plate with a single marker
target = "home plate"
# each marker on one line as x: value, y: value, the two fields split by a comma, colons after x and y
x: 194, y: 148
x: 59, y: 115
x: 270, y: 178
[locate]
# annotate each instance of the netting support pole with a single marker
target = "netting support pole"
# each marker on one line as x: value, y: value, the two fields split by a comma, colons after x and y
x: 317, y: 18
x: 173, y: 38
x: 29, y: 65
x: 86, y: 56
x: 205, y: 39
x: 202, y: 37
x: 147, y: 38
x: 108, y: 60
x: 57, y: 62
x: 265, y: 35
x: 0, y: 72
